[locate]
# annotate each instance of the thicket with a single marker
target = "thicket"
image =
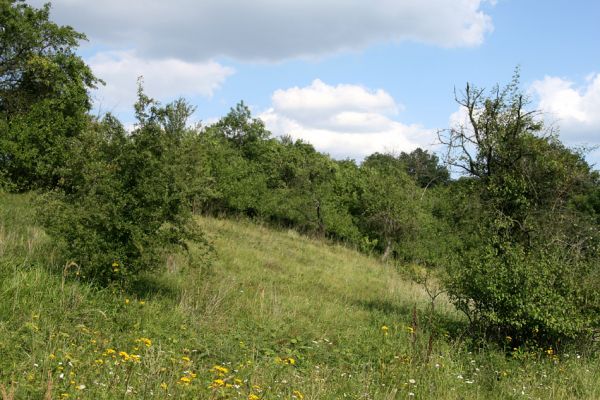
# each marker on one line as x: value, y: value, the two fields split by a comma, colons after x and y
x: 514, y: 241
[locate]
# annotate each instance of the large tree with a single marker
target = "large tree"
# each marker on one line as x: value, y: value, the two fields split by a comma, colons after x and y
x: 44, y: 94
x: 528, y: 266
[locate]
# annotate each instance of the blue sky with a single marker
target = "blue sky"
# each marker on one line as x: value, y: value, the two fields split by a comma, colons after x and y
x: 349, y: 76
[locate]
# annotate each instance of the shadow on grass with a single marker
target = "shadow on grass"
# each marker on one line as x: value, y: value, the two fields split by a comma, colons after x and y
x: 153, y: 286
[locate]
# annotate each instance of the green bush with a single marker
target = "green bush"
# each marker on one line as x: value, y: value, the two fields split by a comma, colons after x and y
x: 121, y: 204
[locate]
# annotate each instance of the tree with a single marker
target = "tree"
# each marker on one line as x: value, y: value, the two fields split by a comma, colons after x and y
x: 123, y: 203
x: 424, y: 167
x: 527, y: 264
x: 44, y: 97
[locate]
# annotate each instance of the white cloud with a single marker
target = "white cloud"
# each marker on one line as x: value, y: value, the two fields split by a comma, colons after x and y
x: 343, y: 120
x: 164, y: 79
x: 271, y: 29
x: 576, y: 110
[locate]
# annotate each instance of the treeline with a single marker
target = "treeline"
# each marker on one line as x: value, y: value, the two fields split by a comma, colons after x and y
x: 514, y: 242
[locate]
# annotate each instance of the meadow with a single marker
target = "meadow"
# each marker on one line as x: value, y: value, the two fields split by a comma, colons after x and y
x: 272, y: 315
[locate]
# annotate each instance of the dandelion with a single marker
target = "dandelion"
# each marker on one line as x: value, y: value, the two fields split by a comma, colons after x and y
x: 385, y: 329
x: 252, y: 396
x: 550, y: 351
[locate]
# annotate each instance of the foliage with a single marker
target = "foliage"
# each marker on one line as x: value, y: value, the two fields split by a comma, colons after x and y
x: 43, y: 94
x: 522, y: 271
x: 272, y: 296
x: 122, y: 202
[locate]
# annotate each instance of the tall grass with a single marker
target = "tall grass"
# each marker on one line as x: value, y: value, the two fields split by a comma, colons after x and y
x: 276, y: 316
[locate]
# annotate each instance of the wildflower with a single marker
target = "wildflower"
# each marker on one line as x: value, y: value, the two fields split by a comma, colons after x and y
x: 164, y: 386
x: 142, y: 302
x: 219, y: 370
x: 508, y: 339
x: 99, y: 362
x: 109, y: 352
x: 252, y: 396
x: 64, y: 395
x: 52, y: 356
x: 185, y: 380
x: 296, y: 394
x: 135, y: 358
x: 145, y: 341
x: 217, y: 383
x: 410, y: 329
x: 186, y: 359
x: 412, y: 381
x: 550, y: 351
x: 80, y: 387
x: 384, y: 329
x: 124, y: 355
x: 126, y: 301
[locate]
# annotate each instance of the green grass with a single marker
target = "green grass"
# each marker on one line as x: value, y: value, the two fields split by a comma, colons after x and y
x: 282, y: 316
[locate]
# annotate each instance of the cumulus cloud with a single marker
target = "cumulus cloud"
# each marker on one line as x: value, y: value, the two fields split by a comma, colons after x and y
x: 343, y: 120
x: 163, y: 79
x: 271, y: 29
x: 575, y: 109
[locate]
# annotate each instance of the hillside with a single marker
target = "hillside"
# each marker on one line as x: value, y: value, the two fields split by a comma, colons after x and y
x: 275, y: 316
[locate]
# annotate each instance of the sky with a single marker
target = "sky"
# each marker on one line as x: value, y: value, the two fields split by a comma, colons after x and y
x: 352, y: 77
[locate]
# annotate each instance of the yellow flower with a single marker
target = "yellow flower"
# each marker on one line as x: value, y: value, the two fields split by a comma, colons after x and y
x: 145, y: 341
x: 384, y: 329
x: 297, y: 395
x: 252, y: 396
x: 186, y: 359
x: 217, y: 383
x: 220, y: 370
x: 185, y: 380
x: 108, y: 352
x: 115, y: 264
x: 126, y: 301
x: 164, y: 386
x: 289, y: 361
x: 550, y: 351
x: 124, y: 355
x: 410, y: 329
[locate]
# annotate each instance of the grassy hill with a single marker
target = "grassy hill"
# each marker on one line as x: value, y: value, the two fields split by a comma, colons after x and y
x: 275, y: 316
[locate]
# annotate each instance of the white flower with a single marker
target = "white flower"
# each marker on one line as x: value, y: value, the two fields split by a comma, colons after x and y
x: 81, y: 387
x: 412, y: 381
